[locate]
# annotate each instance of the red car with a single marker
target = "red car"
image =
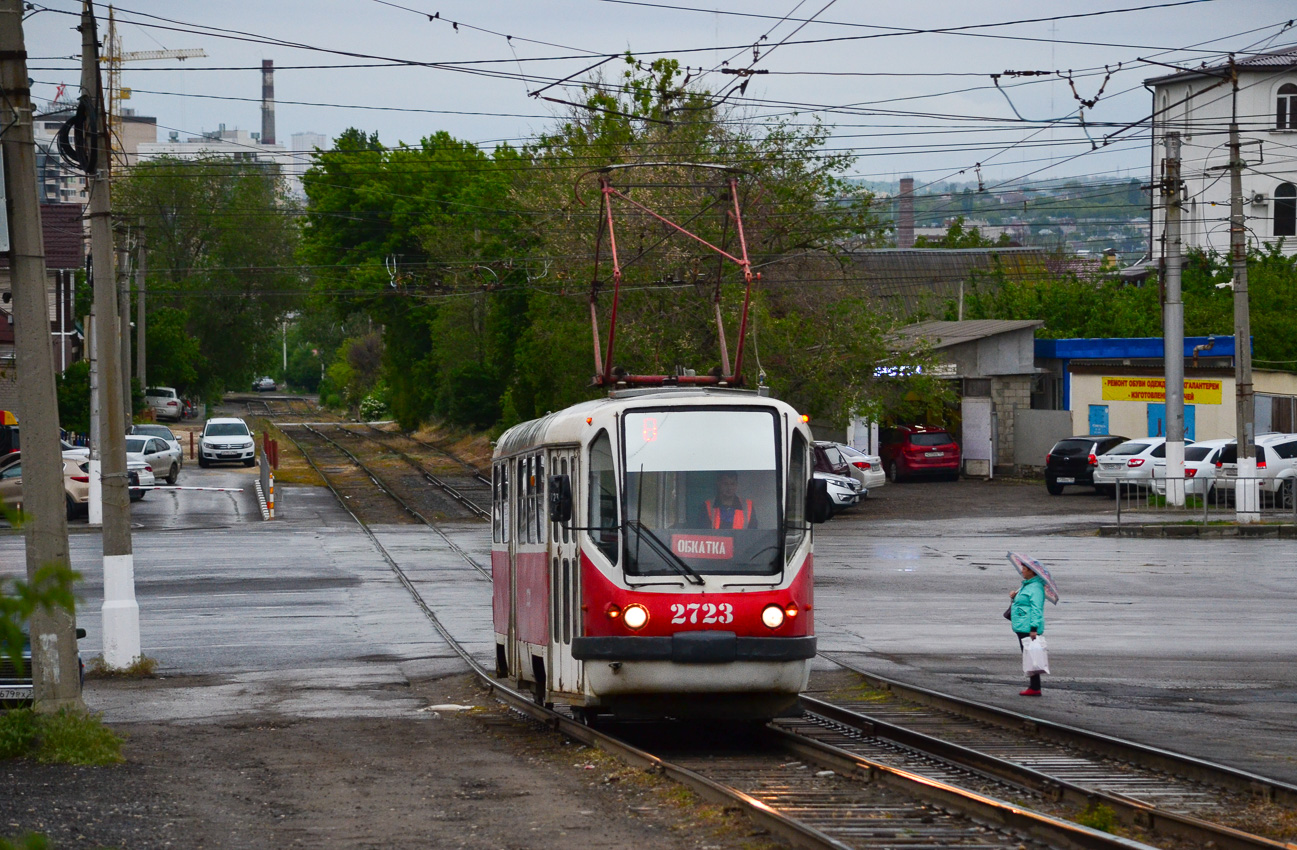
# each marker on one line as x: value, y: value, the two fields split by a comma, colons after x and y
x: 913, y: 451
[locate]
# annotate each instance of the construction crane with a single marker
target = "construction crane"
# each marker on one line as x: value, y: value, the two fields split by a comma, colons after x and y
x: 113, y: 58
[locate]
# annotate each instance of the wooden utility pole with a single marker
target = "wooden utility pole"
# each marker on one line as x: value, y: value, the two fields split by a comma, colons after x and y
x: 55, y: 677
x: 141, y: 317
x: 121, y: 613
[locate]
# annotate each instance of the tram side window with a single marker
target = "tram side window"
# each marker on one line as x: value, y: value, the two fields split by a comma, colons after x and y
x: 798, y: 472
x: 522, y: 499
x: 500, y: 504
x: 602, y: 487
x: 538, y: 513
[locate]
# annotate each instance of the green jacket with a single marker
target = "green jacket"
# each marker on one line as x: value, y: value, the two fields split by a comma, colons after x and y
x: 1028, y: 609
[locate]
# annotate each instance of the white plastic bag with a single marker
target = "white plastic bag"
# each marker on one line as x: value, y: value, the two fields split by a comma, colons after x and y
x: 1035, y: 655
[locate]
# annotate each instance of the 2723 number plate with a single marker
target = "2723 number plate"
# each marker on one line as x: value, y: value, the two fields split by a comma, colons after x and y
x: 706, y: 612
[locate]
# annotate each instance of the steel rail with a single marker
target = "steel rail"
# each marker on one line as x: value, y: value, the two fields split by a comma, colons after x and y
x: 1129, y: 810
x: 477, y: 473
x: 468, y: 559
x: 1153, y: 758
x: 787, y: 828
x: 433, y: 479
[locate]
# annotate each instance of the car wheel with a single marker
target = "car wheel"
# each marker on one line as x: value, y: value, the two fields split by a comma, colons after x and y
x: 1053, y: 487
x: 249, y: 462
x: 173, y: 475
x: 893, y: 475
x: 1286, y: 493
x: 952, y: 476
x: 71, y: 505
x: 202, y: 461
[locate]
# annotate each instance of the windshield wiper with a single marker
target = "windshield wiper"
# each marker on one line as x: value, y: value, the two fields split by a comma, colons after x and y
x: 655, y: 543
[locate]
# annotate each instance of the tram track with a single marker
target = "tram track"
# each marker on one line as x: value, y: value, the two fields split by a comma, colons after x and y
x: 1179, y: 800
x: 805, y: 792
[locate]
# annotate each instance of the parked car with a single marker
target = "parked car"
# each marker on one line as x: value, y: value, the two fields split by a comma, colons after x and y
x: 1129, y: 463
x: 265, y: 385
x: 76, y: 483
x: 1199, y: 468
x: 226, y: 440
x: 157, y: 454
x: 865, y: 468
x: 1276, y: 466
x: 164, y: 433
x: 164, y: 403
x: 1073, y: 461
x: 912, y: 451
x: 16, y: 685
x: 829, y: 459
x: 843, y: 490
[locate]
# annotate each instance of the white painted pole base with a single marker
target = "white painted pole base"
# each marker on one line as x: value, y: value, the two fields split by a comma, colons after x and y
x: 1247, y: 493
x: 1175, y: 473
x: 95, y: 508
x: 121, y: 613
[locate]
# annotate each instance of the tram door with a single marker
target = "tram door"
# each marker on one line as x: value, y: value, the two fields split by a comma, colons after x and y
x: 565, y: 572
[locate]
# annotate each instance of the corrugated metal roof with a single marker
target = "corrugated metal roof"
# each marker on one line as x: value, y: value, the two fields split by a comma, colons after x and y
x: 946, y: 334
x: 64, y: 235
x: 1285, y: 58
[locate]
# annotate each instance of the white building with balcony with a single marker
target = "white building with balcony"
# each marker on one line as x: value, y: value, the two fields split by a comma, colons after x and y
x: 1200, y: 104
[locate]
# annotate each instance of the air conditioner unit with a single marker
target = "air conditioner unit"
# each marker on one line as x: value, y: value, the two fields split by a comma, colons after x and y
x: 1260, y: 198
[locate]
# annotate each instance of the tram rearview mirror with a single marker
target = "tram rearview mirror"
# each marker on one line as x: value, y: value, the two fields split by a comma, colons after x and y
x: 560, y: 498
x: 818, y: 506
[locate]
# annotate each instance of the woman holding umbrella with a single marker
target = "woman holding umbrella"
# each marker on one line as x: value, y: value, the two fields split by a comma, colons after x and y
x: 1027, y: 613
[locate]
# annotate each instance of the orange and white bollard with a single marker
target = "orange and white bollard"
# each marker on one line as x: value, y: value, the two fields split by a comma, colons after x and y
x: 270, y: 497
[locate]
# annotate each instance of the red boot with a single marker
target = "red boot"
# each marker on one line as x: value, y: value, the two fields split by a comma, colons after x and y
x: 1029, y: 692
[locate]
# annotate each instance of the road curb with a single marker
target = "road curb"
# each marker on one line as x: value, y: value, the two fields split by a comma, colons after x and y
x: 1278, y: 532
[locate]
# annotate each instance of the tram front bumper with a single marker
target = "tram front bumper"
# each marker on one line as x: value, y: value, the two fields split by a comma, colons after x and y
x: 710, y: 647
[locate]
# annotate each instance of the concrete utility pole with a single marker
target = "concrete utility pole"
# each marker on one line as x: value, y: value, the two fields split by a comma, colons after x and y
x: 141, y: 267
x: 121, y: 613
x: 1173, y: 326
x: 1247, y: 491
x: 55, y: 678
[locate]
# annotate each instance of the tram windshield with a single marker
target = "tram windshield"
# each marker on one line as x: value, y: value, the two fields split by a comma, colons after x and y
x: 702, y: 492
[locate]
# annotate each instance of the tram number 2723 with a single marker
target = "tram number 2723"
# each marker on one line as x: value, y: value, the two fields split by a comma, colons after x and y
x: 712, y: 613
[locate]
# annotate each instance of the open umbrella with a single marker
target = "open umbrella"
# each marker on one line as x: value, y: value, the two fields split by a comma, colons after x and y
x: 1019, y: 561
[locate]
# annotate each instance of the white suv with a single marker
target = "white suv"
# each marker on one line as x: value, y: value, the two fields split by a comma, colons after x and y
x: 226, y: 440
x: 1276, y: 466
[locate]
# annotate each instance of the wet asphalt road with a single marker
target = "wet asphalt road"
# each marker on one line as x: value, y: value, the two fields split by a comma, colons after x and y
x: 1184, y: 644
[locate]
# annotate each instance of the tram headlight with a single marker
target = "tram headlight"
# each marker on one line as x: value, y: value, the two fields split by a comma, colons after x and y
x: 635, y: 617
x: 772, y: 616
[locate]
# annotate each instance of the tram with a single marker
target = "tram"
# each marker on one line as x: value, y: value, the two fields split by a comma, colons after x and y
x: 623, y: 585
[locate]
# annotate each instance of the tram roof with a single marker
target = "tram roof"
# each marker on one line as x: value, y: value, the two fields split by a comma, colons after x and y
x: 569, y: 425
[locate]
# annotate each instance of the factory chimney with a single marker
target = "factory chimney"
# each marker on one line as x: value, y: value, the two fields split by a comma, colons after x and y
x: 267, y: 101
x: 905, y: 214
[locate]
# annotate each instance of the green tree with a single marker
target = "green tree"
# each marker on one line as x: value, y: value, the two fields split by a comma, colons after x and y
x: 957, y: 236
x: 221, y: 240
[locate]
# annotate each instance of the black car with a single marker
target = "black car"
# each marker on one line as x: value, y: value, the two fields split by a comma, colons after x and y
x: 16, y: 684
x: 1072, y: 461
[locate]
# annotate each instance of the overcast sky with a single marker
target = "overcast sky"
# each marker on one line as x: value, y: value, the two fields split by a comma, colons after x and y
x: 903, y: 102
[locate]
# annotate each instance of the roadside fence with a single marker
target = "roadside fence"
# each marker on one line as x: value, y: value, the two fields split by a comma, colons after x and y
x: 268, y: 462
x: 1206, y: 500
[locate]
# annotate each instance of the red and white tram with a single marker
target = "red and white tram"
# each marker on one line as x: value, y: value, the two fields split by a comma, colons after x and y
x: 622, y: 586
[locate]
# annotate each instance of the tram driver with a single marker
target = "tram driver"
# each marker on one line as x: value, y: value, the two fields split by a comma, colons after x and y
x: 727, y: 509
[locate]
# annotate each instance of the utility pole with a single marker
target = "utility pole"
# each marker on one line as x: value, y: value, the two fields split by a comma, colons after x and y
x: 124, y: 324
x: 141, y: 267
x: 1173, y: 326
x: 55, y: 678
x: 121, y: 613
x: 1247, y: 490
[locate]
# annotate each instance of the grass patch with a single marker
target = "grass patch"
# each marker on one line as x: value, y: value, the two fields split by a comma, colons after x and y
x: 27, y: 842
x: 65, y: 737
x: 863, y: 692
x: 143, y: 668
x: 1190, y: 502
x: 1099, y: 817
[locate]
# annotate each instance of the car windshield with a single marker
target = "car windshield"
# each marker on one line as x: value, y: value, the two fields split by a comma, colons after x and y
x: 1131, y: 448
x: 155, y: 431
x: 1197, y: 452
x: 136, y: 444
x: 931, y: 438
x: 227, y: 429
x: 159, y: 391
x: 702, y: 492
x: 849, y: 453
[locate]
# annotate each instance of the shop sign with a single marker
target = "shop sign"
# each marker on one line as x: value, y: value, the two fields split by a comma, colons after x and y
x: 1154, y: 389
